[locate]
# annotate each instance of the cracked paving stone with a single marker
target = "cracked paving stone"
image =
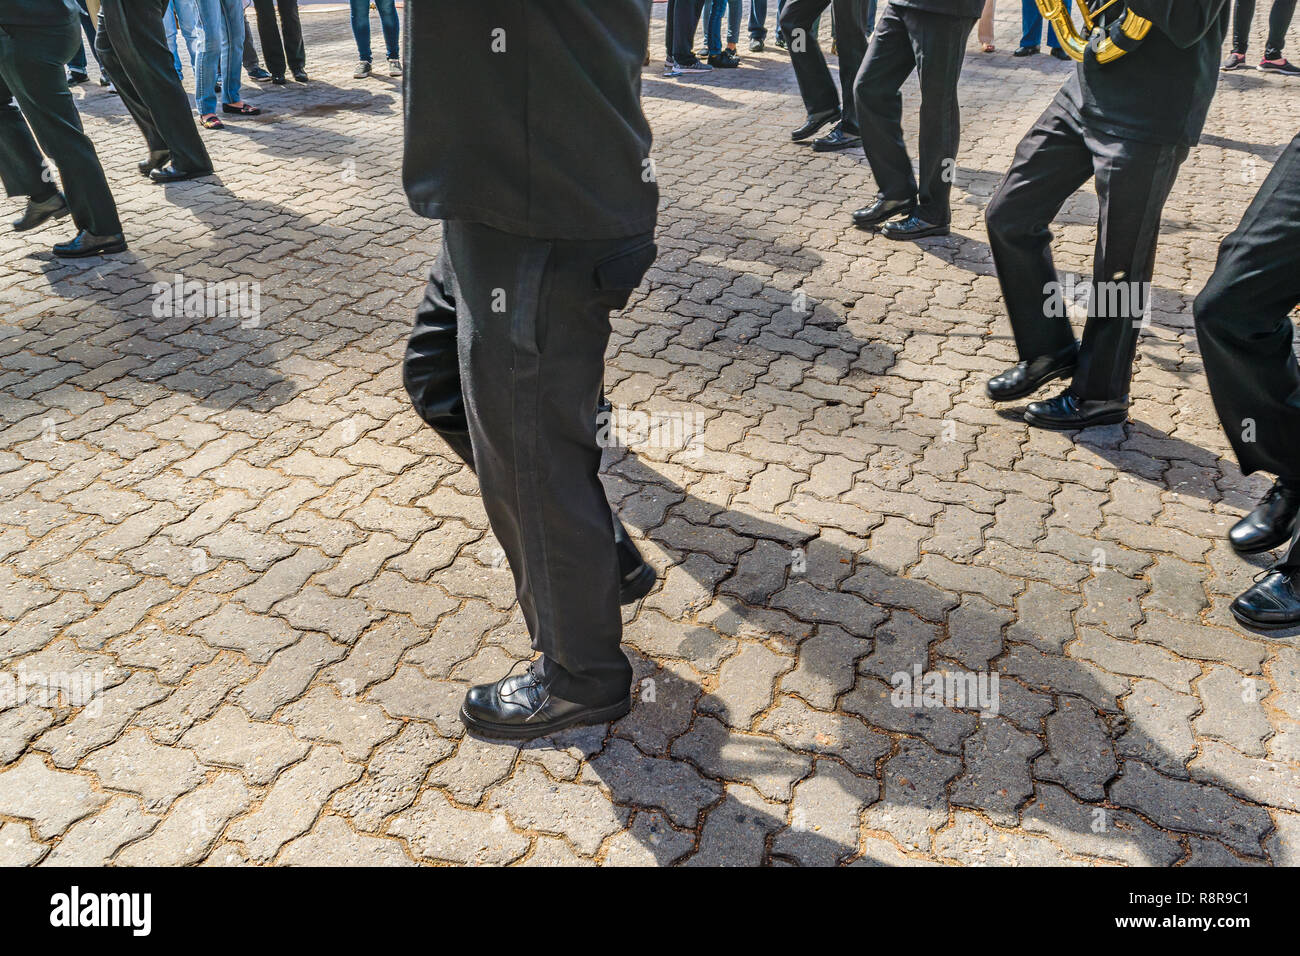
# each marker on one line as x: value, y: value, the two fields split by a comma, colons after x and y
x: 293, y: 802
x: 972, y: 841
x: 17, y: 848
x: 649, y: 841
x: 137, y: 765
x: 826, y: 666
x: 1079, y: 754
x: 1158, y: 727
x: 94, y: 840
x: 872, y: 700
x: 1232, y: 711
x: 257, y: 636
x: 996, y: 779
x: 640, y: 781
x: 408, y: 693
x: 333, y: 843
x: 1191, y: 807
x: 437, y: 830
x: 1098, y: 831
x: 824, y: 816
x: 196, y: 821
x: 287, y: 674
x: 101, y: 719
x: 745, y: 685
x: 913, y: 801
x: 803, y: 728
x: 52, y: 799
x: 736, y: 831
x: 356, y: 726
x: 475, y: 768
x: 760, y: 762
x: 393, y: 777
x: 580, y: 813
x: 259, y: 750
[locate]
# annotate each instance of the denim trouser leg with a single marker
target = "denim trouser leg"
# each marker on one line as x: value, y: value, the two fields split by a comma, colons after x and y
x: 758, y: 19
x: 186, y: 22
x: 205, y: 86
x: 392, y: 27
x: 169, y: 31
x: 232, y: 51
x: 361, y: 29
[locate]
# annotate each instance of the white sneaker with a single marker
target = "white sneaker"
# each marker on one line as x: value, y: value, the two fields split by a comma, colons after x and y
x: 362, y: 71
x: 394, y: 67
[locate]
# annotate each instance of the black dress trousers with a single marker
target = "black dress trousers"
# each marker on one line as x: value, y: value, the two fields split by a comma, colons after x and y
x: 291, y: 52
x: 133, y: 48
x: 934, y: 45
x: 1057, y: 156
x: 853, y: 21
x: 506, y: 362
x: 1244, y: 329
x: 32, y: 71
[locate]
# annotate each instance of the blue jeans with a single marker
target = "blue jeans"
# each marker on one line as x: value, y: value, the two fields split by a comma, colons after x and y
x: 78, y: 61
x: 1032, y: 21
x: 392, y: 28
x: 758, y: 18
x: 186, y: 14
x: 223, y: 33
x: 713, y: 10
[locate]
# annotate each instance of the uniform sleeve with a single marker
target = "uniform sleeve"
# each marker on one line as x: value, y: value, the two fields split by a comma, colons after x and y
x: 1183, y: 21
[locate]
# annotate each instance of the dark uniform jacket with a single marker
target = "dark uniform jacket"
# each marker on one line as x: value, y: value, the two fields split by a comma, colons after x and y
x: 1161, y: 91
x: 525, y: 115
x: 968, y: 9
x: 37, y: 13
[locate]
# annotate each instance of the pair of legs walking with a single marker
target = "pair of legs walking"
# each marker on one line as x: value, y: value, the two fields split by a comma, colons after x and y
x: 506, y: 362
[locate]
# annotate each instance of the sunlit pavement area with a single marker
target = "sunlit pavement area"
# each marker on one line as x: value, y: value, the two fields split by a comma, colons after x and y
x: 244, y: 588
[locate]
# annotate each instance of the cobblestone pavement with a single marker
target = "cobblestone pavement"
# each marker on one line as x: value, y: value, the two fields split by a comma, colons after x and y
x: 276, y: 583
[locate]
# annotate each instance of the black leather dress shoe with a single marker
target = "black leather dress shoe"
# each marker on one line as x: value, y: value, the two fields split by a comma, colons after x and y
x: 1066, y: 412
x: 1270, y: 603
x: 913, y: 227
x: 278, y: 79
x: 814, y: 124
x: 1026, y: 378
x: 1026, y: 51
x: 170, y: 174
x: 836, y: 139
x: 86, y: 244
x: 155, y: 161
x: 300, y: 76
x: 635, y: 576
x: 520, y: 708
x: 882, y: 210
x: 1059, y: 53
x: 1271, y: 523
x: 41, y: 211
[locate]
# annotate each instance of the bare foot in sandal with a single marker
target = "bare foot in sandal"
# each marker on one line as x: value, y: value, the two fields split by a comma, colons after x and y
x: 212, y: 121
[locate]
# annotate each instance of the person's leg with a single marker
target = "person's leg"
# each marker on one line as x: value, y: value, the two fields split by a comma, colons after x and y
x: 853, y: 23
x: 88, y: 28
x: 431, y: 367
x: 41, y: 88
x: 136, y: 26
x: 251, y: 64
x: 1279, y: 21
x: 205, y: 81
x: 810, y: 70
x: 22, y: 168
x: 361, y: 29
x: 1031, y: 21
x: 232, y: 72
x: 758, y: 19
x: 939, y: 44
x: 531, y: 384
x: 714, y: 9
x: 986, y: 22
x: 169, y: 34
x: 291, y: 25
x: 1051, y: 162
x: 878, y: 103
x: 1133, y: 181
x: 187, y: 25
x: 686, y: 21
x: 269, y: 33
x: 734, y: 10
x: 111, y: 43
x: 392, y: 27
x: 1244, y: 329
x: 1242, y: 15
